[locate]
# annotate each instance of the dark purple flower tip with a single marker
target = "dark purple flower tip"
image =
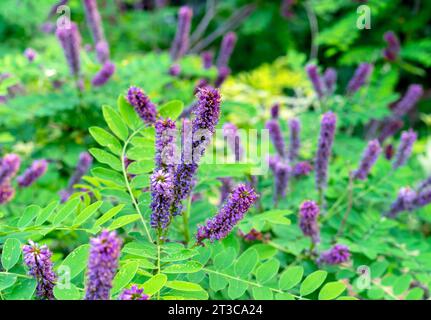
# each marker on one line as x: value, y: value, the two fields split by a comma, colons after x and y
x: 405, y: 147
x: 207, y: 110
x: 30, y: 54
x: 102, y: 51
x: 330, y: 80
x: 389, y: 151
x: 9, y: 166
x: 276, y: 136
x: 175, y: 70
x: 308, y: 214
x: 338, y: 254
x: 7, y: 192
x: 102, y: 265
x: 226, y: 49
x: 404, y: 202
x: 38, y: 260
x: 223, y: 73
x: 207, y: 59
x: 104, y: 74
x: 275, y: 110
x: 369, y: 157
x: 393, y: 46
x: 412, y: 96
x: 180, y: 45
x: 134, y: 293
x: 362, y: 73
x: 316, y: 81
x: 142, y: 104
x: 302, y: 169
x: 218, y: 227
x: 35, y: 171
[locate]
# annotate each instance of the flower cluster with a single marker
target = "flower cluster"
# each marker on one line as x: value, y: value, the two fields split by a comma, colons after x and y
x: 165, y: 143
x: 9, y: 166
x: 404, y: 202
x: 70, y: 41
x: 330, y: 80
x: 412, y: 96
x: 102, y: 265
x: 226, y: 188
x: 316, y: 80
x: 38, y: 260
x: 295, y: 143
x: 35, y: 171
x: 226, y: 49
x: 180, y: 45
x: 362, y: 73
x: 276, y: 136
x: 207, y: 59
x: 218, y: 227
x: 134, y: 293
x: 161, y: 198
x: 393, y: 46
x: 282, y: 173
x: 308, y: 214
x: 142, y: 104
x: 302, y: 168
x: 230, y: 131
x: 408, y: 138
x: 275, y: 111
x: 338, y: 254
x: 104, y: 74
x: 369, y: 157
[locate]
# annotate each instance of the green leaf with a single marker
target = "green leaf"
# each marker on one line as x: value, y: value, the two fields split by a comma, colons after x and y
x: 11, y: 253
x: 312, y: 282
x: 107, y: 158
x: 69, y: 292
x: 140, y: 182
x: 140, y: 167
x: 128, y: 113
x: 264, y: 251
x: 155, y: 284
x: 123, y: 220
x: 331, y: 290
x: 124, y: 276
x: 188, y: 267
x: 236, y: 288
x: 183, y: 286
x: 291, y: 277
x: 65, y: 211
x: 224, y: 259
x: 267, y: 270
x: 109, y: 175
x: 115, y: 123
x: 105, y: 139
x: 22, y: 290
x: 246, y: 262
x: 262, y: 293
x: 76, y: 261
x: 217, y: 282
x: 172, y: 109
x: 46, y: 213
x: 27, y: 217
x: 108, y: 215
x: 87, y: 213
x: 6, y: 280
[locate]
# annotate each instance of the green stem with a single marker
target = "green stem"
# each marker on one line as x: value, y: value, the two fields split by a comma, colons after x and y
x: 349, y: 207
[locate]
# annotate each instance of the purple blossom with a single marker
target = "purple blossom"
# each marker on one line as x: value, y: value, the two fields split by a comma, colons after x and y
x: 104, y: 74
x: 226, y: 49
x: 7, y: 192
x: 38, y: 260
x: 369, y: 157
x: 175, y: 70
x: 423, y: 198
x: 302, y: 169
x: 226, y: 188
x: 35, y: 171
x: 295, y: 143
x: 180, y: 45
x: 330, y: 80
x: 162, y: 196
x: 412, y: 96
x: 362, y: 73
x: 272, y: 162
x: 316, y: 80
x: 275, y: 111
x: 326, y: 139
x: 142, y: 104
x: 207, y: 59
x: 252, y: 235
x: 230, y: 131
x: 218, y: 227
x: 94, y: 21
x: 223, y: 73
x: 134, y: 293
x: 281, y: 174
x: 308, y: 213
x: 70, y: 40
x: 102, y: 265
x: 30, y: 54
x: 84, y: 164
x: 389, y: 151
x: 165, y: 143
x: 393, y: 46
x: 338, y: 254
x: 404, y: 202
x: 102, y: 51
x: 207, y: 110
x: 276, y: 136
x: 408, y: 138
x: 201, y: 84
x: 390, y: 127
x: 9, y: 166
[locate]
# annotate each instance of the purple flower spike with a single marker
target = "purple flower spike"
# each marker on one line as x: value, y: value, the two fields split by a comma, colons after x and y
x: 142, y: 104
x: 175, y: 70
x: 362, y: 73
x: 423, y: 198
x: 161, y: 199
x: 314, y: 76
x: 104, y: 74
x: 230, y: 131
x: 84, y: 164
x: 219, y: 227
x: 223, y: 73
x: 308, y: 213
x: 30, y: 54
x: 393, y: 46
x: 412, y: 96
x: 408, y: 138
x: 35, y: 171
x: 404, y: 202
x: 134, y: 293
x: 102, y: 51
x: 276, y: 136
x: 326, y: 139
x: 282, y: 173
x: 330, y: 80
x: 102, y: 265
x: 226, y: 188
x: 369, y: 157
x: 9, y: 166
x: 165, y: 144
x: 295, y: 143
x: 207, y: 59
x: 7, y: 192
x: 338, y: 254
x: 302, y: 169
x: 390, y: 127
x: 94, y: 21
x: 70, y: 40
x: 207, y: 111
x: 226, y: 49
x: 38, y: 260
x: 180, y: 44
x: 275, y: 111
